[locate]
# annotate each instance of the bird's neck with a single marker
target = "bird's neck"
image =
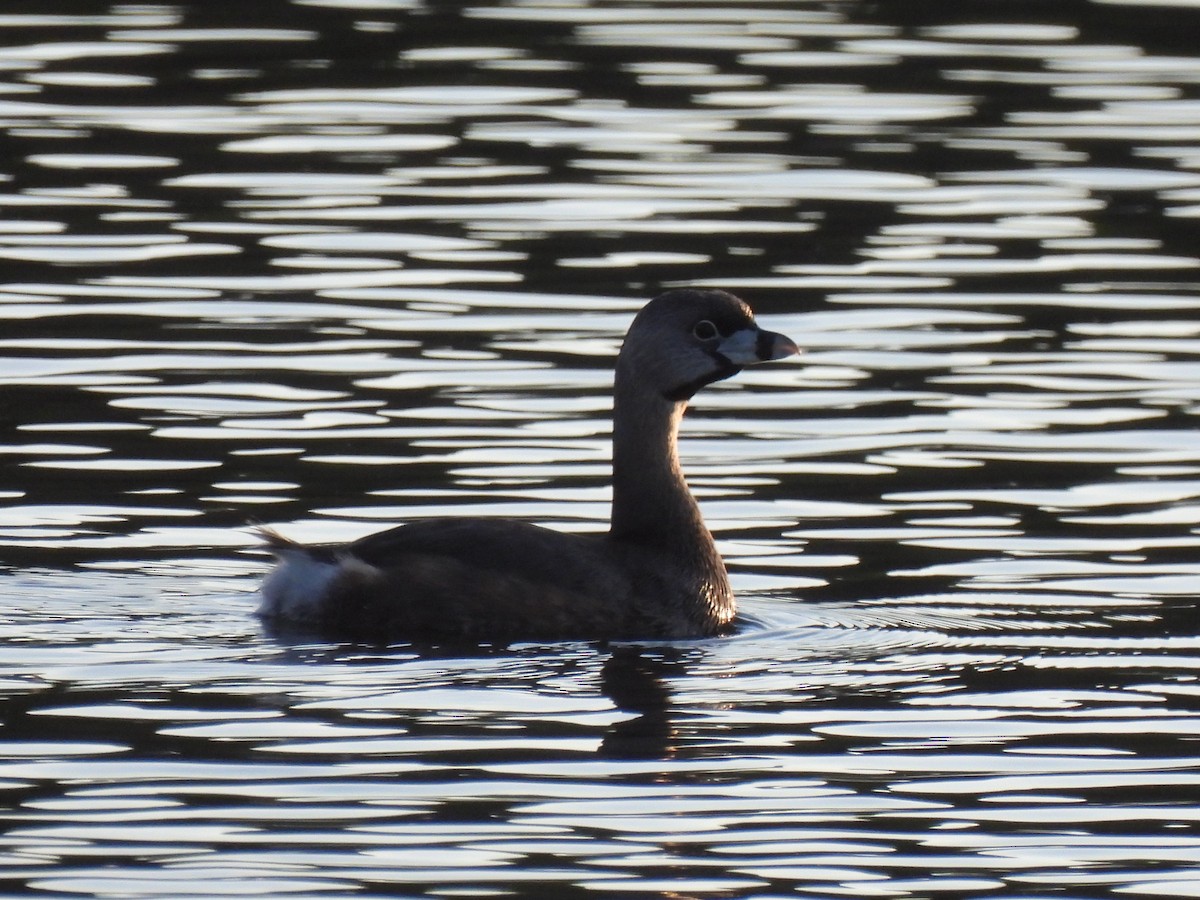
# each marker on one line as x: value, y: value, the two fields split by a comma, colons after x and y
x: 651, y: 501
x: 654, y: 511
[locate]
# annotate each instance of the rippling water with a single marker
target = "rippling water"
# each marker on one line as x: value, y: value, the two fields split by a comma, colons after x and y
x: 331, y: 265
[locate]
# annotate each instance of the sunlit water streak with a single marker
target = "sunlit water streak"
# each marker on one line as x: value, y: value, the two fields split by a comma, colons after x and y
x: 339, y: 265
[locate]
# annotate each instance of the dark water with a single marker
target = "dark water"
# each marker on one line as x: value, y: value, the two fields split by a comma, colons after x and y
x: 332, y: 265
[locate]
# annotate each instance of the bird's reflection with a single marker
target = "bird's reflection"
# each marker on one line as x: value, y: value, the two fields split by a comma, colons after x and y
x: 637, y: 683
x: 634, y: 678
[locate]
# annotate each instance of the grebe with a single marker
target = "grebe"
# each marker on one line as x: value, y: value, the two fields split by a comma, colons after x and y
x: 655, y: 574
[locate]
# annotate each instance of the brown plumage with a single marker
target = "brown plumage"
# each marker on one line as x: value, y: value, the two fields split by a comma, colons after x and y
x: 655, y: 574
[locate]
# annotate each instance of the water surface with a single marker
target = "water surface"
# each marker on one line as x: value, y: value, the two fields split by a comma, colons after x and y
x: 336, y: 265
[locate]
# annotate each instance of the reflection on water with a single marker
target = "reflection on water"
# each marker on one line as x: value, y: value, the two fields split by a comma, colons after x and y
x: 332, y: 265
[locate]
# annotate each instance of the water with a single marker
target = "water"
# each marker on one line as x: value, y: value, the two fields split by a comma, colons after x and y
x: 332, y: 265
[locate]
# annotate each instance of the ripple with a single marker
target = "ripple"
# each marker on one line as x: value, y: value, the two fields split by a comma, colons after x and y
x: 101, y: 161
x: 328, y: 143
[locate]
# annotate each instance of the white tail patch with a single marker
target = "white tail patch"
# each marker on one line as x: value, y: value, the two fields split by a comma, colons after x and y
x: 299, y: 586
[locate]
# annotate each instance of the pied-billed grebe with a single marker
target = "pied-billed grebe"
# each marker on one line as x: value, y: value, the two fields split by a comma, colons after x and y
x: 655, y: 574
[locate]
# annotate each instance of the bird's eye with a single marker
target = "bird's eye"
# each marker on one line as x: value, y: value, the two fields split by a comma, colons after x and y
x: 705, y: 330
